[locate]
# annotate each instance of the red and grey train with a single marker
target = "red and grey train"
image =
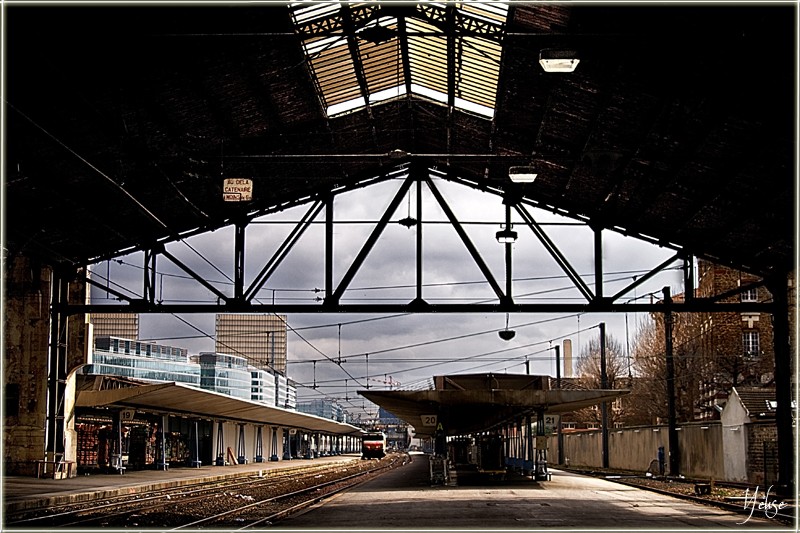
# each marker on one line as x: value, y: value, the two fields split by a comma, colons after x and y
x: 373, y: 445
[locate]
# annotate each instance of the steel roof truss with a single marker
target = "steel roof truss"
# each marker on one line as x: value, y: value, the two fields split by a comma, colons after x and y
x: 370, y: 242
x: 467, y: 242
x: 283, y: 250
x: 556, y: 253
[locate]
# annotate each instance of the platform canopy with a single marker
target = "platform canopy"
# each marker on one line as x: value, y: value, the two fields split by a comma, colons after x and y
x: 178, y: 399
x: 475, y: 403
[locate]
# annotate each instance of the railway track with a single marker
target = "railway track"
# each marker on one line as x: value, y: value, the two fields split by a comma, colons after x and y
x: 726, y: 495
x: 176, y: 507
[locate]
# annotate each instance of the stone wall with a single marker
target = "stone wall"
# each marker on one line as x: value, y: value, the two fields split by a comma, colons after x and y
x: 28, y: 295
x: 26, y: 324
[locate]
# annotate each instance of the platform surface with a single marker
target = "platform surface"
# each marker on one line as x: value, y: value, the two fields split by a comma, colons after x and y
x: 404, y: 499
x: 20, y: 492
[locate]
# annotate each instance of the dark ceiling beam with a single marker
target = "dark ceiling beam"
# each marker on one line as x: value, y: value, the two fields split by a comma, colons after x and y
x: 450, y: 11
x: 696, y: 306
x: 402, y: 39
x: 358, y: 66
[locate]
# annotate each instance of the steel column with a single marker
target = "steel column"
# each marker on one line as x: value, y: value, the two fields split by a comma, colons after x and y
x: 57, y: 366
x: 238, y: 261
x: 778, y: 286
x: 674, y: 452
x: 603, y: 385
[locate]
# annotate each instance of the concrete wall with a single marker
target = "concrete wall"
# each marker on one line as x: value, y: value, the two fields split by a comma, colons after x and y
x: 734, y: 436
x: 634, y: 448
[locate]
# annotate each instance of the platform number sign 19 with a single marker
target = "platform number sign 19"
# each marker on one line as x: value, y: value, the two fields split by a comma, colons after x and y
x: 127, y: 415
x: 429, y: 420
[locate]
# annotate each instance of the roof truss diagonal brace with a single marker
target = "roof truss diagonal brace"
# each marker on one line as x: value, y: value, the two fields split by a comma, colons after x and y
x: 555, y: 253
x: 195, y: 275
x: 504, y: 299
x: 117, y: 294
x: 370, y: 243
x: 639, y: 280
x: 283, y: 250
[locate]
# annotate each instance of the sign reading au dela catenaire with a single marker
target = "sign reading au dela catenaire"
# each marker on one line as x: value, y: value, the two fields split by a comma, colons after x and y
x: 237, y: 190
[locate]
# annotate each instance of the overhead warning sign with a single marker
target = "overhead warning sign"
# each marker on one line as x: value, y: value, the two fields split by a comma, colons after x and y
x: 237, y: 190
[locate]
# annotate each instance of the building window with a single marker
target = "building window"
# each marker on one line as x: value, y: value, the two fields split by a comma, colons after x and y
x: 750, y: 295
x: 750, y: 344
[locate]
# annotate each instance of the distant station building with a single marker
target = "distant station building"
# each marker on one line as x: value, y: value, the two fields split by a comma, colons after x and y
x: 323, y: 407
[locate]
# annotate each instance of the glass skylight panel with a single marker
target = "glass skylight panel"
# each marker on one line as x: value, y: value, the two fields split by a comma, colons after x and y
x: 331, y: 61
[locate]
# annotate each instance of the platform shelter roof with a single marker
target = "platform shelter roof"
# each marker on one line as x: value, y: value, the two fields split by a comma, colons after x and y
x: 179, y: 399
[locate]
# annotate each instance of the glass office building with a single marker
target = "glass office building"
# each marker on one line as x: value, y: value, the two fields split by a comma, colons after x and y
x: 142, y: 360
x: 227, y: 374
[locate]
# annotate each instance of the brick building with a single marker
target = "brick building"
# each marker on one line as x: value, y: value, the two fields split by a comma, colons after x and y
x: 736, y: 348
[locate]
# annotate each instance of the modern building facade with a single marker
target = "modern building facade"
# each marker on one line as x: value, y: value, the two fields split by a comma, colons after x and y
x: 227, y: 374
x: 143, y: 361
x: 259, y: 338
x: 218, y: 372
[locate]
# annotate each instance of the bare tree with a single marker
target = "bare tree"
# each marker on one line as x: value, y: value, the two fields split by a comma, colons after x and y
x: 649, y: 363
x: 617, y: 377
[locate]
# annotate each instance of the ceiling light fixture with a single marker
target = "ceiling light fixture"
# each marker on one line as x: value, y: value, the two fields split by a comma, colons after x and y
x: 522, y: 174
x: 558, y: 60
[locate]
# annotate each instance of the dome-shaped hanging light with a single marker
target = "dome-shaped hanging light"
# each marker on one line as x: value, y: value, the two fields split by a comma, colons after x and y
x: 506, y: 334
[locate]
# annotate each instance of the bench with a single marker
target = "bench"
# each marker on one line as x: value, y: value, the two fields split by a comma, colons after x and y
x: 54, y: 469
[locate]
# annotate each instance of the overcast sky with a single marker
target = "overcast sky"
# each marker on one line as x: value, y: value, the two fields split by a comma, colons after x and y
x: 404, y: 349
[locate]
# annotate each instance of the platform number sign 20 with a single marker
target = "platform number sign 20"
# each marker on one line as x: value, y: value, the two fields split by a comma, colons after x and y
x: 429, y: 420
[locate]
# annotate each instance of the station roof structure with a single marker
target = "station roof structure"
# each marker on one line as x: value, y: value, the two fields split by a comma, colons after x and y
x: 122, y: 121
x: 179, y: 399
x: 472, y: 403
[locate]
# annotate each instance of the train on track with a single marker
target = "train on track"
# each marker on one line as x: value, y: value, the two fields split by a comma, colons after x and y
x: 373, y: 445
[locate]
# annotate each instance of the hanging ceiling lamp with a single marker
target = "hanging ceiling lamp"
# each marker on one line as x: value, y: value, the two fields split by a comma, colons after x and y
x: 506, y: 334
